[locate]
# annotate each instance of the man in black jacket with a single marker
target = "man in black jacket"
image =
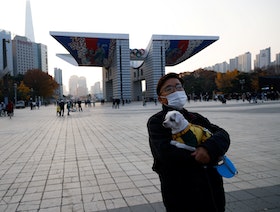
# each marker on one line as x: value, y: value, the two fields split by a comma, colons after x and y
x: 189, y: 180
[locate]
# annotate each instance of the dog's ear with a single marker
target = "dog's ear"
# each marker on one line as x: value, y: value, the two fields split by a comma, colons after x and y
x: 170, y: 116
x: 177, y: 117
x: 167, y: 116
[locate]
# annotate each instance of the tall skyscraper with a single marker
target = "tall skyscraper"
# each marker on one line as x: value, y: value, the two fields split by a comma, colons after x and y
x: 245, y: 62
x: 58, y: 79
x: 277, y: 60
x: 73, y: 82
x: 82, y: 87
x: 28, y: 55
x: 43, y: 57
x: 263, y: 59
x: 6, y: 55
x: 96, y: 91
x: 29, y: 32
x: 25, y: 55
x: 78, y: 86
x: 233, y: 63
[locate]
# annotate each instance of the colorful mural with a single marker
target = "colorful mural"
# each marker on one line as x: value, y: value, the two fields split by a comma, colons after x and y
x: 88, y: 51
x: 176, y: 51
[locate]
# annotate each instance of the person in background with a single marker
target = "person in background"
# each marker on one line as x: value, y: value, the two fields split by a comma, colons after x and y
x: 57, y: 108
x: 189, y: 180
x: 61, y: 104
x: 80, y: 105
x: 2, y: 109
x: 10, y: 109
x: 68, y: 105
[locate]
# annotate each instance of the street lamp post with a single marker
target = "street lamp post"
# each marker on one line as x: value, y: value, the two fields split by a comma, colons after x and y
x: 5, y: 78
x: 15, y: 87
x: 31, y: 98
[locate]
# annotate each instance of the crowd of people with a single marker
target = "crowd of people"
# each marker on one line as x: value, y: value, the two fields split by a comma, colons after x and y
x: 71, y: 106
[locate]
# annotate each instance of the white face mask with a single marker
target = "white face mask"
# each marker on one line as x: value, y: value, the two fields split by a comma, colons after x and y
x: 177, y: 99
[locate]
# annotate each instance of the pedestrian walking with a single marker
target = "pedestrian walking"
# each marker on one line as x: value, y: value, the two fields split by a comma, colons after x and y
x: 10, y: 109
x: 57, y: 109
x: 61, y: 105
x: 68, y: 105
x: 80, y: 105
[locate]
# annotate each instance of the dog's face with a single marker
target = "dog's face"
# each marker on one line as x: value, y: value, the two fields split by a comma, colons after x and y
x: 173, y: 120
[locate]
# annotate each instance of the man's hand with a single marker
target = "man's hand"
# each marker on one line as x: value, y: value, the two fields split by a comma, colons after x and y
x: 201, y: 155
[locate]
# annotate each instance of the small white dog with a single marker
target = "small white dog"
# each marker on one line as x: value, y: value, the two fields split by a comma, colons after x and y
x: 184, y: 134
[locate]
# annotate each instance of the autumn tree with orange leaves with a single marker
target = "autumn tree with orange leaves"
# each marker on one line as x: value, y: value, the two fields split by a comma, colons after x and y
x: 23, y: 92
x: 224, y: 80
x: 40, y: 82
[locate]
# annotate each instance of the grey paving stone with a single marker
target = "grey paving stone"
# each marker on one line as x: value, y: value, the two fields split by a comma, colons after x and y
x: 99, y: 159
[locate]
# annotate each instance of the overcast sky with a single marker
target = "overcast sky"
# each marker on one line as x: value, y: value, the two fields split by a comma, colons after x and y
x: 242, y: 25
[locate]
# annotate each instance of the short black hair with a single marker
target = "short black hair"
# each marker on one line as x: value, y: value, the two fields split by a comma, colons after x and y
x: 166, y: 77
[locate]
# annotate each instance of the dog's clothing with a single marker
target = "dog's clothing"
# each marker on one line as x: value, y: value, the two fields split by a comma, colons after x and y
x: 193, y: 135
x: 185, y: 132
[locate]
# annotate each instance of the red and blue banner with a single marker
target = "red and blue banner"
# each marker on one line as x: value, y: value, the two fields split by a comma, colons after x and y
x: 176, y: 51
x: 87, y: 51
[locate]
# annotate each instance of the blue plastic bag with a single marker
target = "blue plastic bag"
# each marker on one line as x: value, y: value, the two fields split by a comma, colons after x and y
x: 226, y: 168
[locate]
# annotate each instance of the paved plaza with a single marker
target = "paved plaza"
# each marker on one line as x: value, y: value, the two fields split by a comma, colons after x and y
x: 100, y: 160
